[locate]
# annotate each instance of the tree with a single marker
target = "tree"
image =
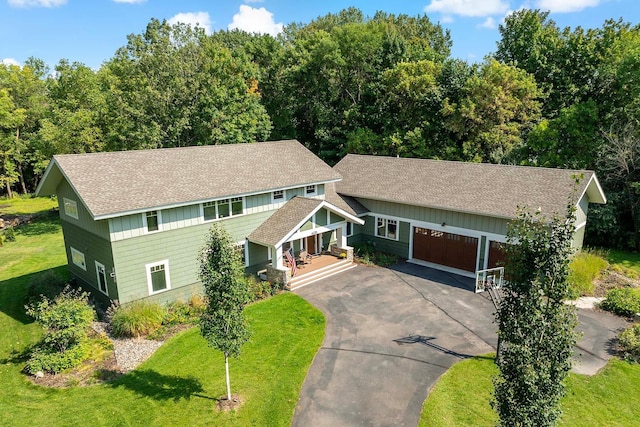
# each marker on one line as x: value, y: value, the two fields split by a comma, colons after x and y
x: 223, y: 322
x: 536, y: 327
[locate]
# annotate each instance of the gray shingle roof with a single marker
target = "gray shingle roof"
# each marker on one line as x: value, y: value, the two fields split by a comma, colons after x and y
x: 283, y: 221
x: 118, y: 182
x: 346, y: 203
x: 485, y: 189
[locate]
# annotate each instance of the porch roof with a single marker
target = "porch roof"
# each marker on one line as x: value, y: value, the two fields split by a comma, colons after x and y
x: 290, y: 217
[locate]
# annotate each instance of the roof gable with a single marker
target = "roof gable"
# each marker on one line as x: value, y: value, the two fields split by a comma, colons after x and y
x: 289, y: 218
x: 478, y: 188
x: 117, y: 183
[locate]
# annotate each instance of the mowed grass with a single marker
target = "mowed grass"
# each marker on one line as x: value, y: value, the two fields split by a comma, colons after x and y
x: 462, y: 395
x: 626, y: 259
x: 179, y: 385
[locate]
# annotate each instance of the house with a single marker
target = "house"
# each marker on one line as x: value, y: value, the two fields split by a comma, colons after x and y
x: 134, y: 221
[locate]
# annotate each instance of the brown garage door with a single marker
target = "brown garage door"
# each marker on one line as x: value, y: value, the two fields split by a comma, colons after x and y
x: 496, y: 254
x: 452, y: 250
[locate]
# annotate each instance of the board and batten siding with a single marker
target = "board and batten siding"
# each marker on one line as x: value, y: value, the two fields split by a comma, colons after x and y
x: 581, y: 210
x: 94, y: 249
x: 129, y: 226
x: 437, y: 216
x: 180, y: 247
x: 85, y: 220
x: 398, y: 247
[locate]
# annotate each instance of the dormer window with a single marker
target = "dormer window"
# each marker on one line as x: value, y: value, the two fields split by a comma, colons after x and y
x: 310, y: 190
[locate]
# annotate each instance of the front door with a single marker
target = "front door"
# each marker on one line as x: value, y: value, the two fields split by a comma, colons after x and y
x: 311, y: 245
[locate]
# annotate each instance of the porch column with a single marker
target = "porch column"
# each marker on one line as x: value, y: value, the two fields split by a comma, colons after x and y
x: 277, y: 258
x: 341, y: 236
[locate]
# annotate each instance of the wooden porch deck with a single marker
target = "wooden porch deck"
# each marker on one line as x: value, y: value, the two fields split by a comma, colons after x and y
x: 316, y: 262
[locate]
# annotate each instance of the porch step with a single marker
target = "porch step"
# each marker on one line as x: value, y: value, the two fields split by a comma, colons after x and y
x: 321, y: 273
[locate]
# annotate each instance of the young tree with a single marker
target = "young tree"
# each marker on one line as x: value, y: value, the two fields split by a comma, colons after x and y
x: 536, y: 328
x: 223, y: 322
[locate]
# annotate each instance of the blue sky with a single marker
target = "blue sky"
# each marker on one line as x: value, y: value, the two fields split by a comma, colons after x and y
x: 90, y: 31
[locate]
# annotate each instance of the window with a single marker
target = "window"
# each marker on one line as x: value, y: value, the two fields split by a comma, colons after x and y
x: 349, y: 229
x: 158, y: 277
x: 310, y: 190
x: 237, y: 206
x: 277, y: 196
x: 71, y: 208
x: 101, y: 275
x: 77, y: 258
x: 222, y: 208
x: 152, y: 221
x: 387, y: 228
x: 209, y: 211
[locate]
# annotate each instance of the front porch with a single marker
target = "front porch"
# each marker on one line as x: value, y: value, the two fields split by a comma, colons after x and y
x: 318, y: 267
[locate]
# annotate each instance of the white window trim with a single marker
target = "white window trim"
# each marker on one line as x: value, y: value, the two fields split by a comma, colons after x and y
x: 74, y: 250
x: 166, y: 275
x: 231, y: 215
x: 386, y: 222
x: 312, y: 194
x: 346, y: 227
x: 144, y: 222
x: 71, y: 202
x: 279, y: 200
x: 98, y: 265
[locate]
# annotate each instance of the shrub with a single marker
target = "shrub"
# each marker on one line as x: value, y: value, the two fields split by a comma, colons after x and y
x: 584, y: 268
x: 629, y: 341
x: 48, y: 285
x: 66, y: 320
x: 9, y: 234
x: 259, y: 289
x: 622, y: 301
x: 139, y: 318
x: 47, y: 360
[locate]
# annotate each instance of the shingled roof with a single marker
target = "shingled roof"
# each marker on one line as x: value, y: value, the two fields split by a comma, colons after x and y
x: 290, y: 217
x: 479, y: 188
x: 116, y: 183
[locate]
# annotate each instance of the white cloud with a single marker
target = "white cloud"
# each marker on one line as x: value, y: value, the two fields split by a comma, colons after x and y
x: 565, y: 6
x: 468, y: 7
x: 9, y: 61
x: 445, y: 19
x: 129, y: 1
x: 488, y: 23
x: 193, y: 19
x: 253, y: 20
x: 36, y: 3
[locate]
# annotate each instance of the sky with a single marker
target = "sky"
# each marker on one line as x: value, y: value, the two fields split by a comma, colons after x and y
x: 90, y: 31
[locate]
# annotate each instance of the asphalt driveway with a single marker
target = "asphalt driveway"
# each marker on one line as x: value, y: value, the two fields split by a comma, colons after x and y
x: 390, y: 334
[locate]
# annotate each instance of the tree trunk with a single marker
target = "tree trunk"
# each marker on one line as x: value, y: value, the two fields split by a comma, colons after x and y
x: 21, y: 176
x: 9, y: 193
x: 226, y: 368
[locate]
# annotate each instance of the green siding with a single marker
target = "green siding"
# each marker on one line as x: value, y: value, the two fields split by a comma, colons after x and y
x: 578, y: 238
x: 307, y: 226
x: 94, y: 249
x: 321, y: 217
x: 398, y: 247
x: 85, y: 220
x: 334, y: 218
x: 483, y: 246
x: 258, y: 257
x: 438, y: 216
x: 581, y: 210
x: 180, y: 247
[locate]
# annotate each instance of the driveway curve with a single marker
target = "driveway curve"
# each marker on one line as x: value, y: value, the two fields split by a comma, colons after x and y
x: 391, y: 333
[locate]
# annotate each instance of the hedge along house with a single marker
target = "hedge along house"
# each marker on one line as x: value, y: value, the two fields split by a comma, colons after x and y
x: 454, y: 215
x: 135, y: 221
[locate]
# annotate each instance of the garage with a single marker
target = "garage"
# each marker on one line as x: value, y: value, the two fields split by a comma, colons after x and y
x: 496, y: 254
x: 448, y: 249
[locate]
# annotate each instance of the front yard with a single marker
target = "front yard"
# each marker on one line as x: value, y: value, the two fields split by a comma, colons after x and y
x: 180, y: 383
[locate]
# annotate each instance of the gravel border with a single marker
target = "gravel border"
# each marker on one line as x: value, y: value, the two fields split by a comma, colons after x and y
x: 129, y: 352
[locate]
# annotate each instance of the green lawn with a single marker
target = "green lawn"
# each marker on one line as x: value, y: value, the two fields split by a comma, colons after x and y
x: 462, y: 395
x: 179, y: 384
x: 627, y: 259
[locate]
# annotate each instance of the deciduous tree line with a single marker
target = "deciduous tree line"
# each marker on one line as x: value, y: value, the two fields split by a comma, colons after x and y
x: 346, y: 83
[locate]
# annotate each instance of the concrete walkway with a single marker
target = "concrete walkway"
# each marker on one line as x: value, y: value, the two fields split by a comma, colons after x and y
x: 391, y: 333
